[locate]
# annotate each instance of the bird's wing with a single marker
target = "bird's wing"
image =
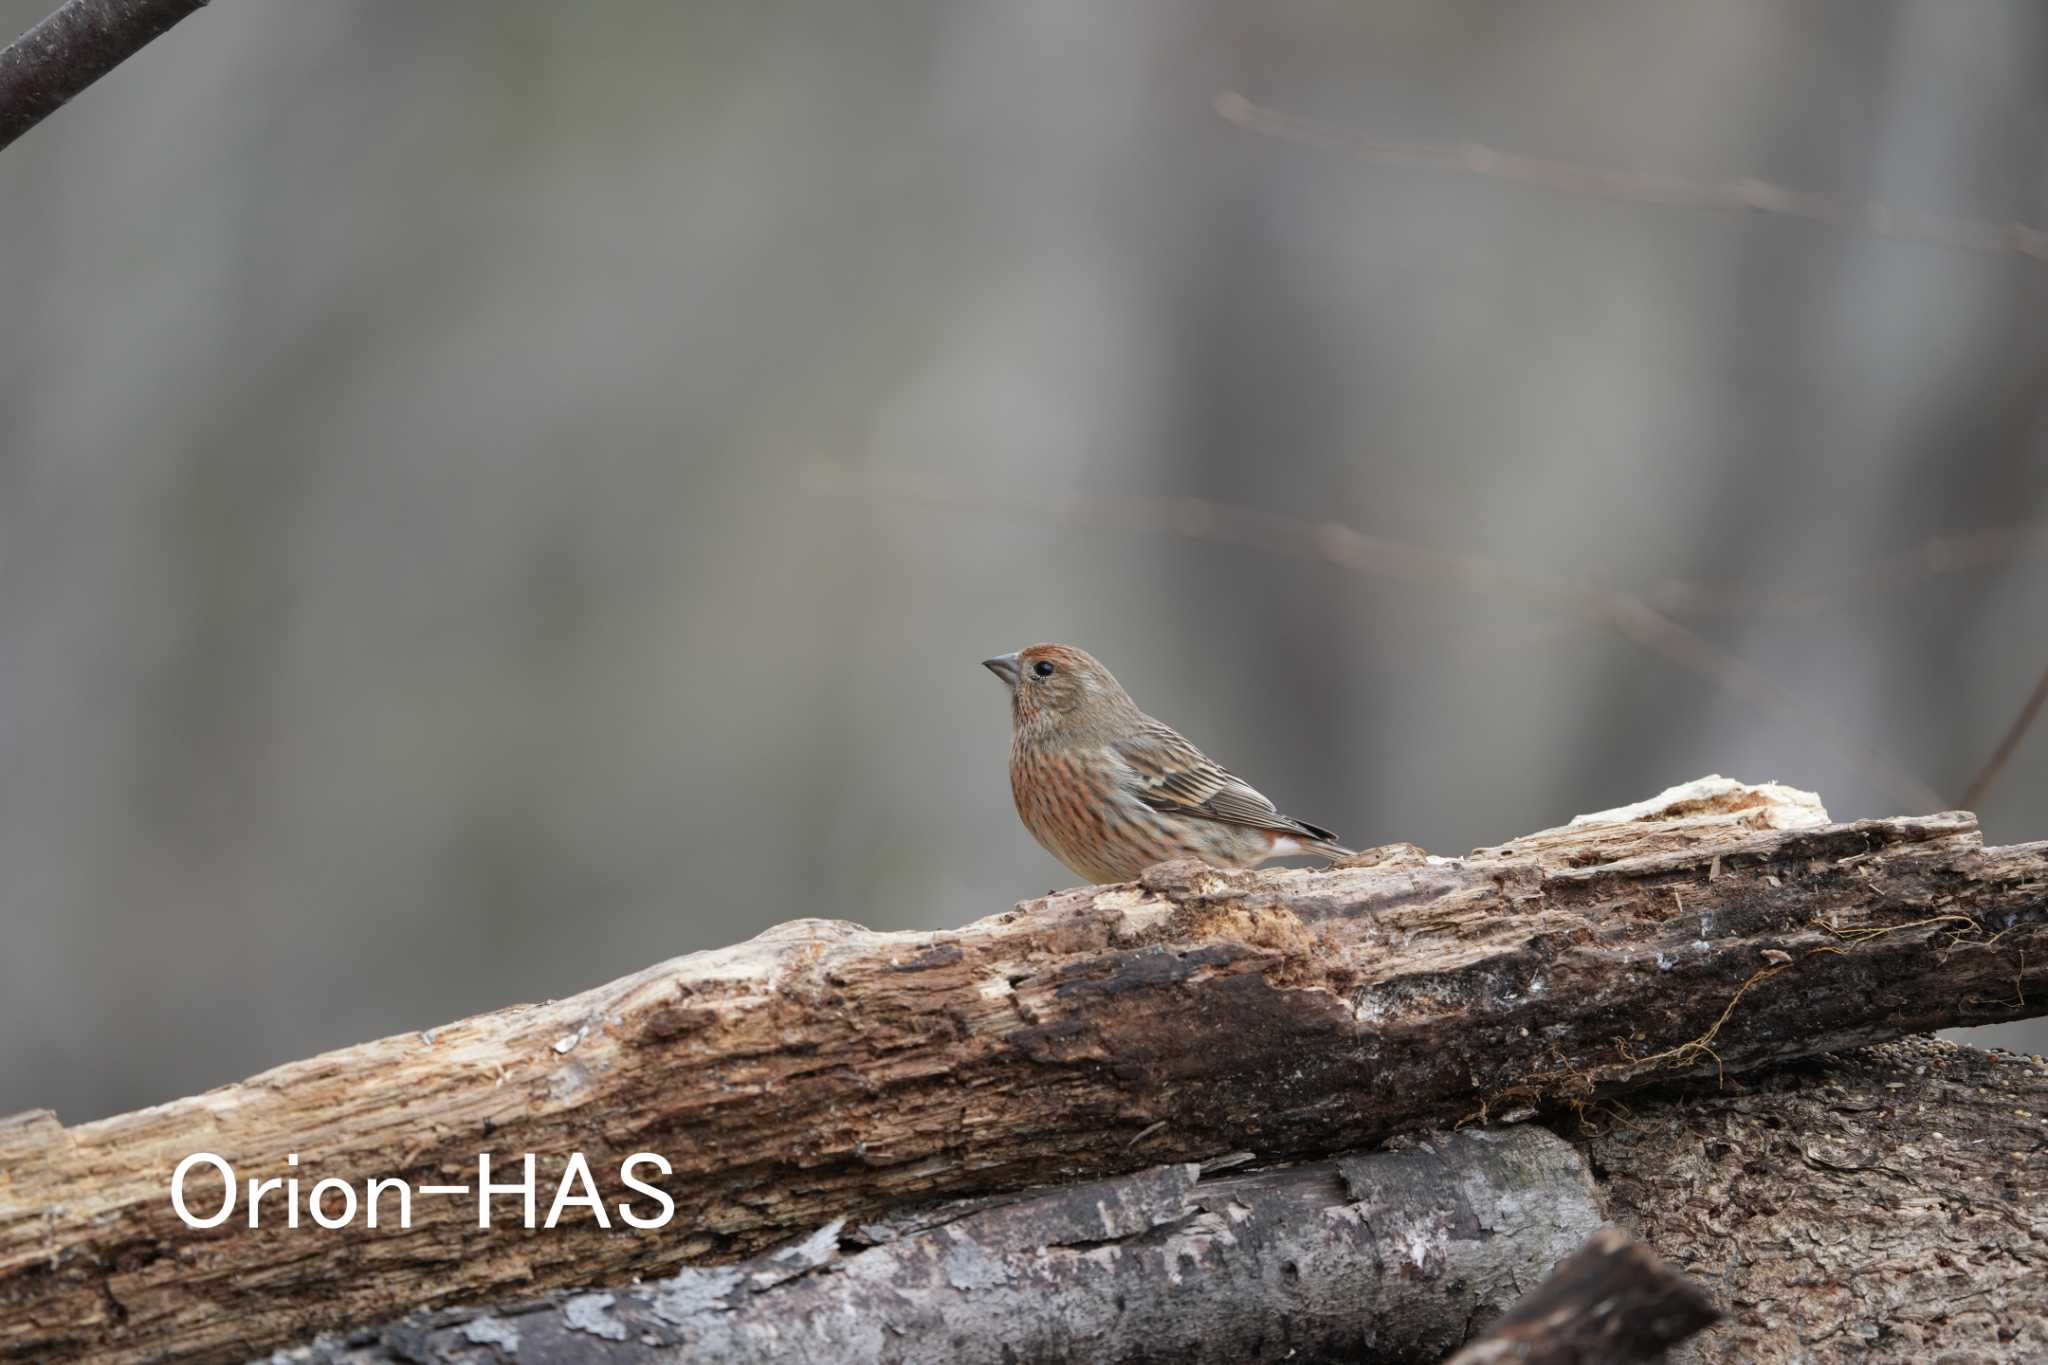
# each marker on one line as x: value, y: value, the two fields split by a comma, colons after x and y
x: 1170, y: 774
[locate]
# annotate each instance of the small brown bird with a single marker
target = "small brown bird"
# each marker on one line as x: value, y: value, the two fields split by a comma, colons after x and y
x: 1109, y: 791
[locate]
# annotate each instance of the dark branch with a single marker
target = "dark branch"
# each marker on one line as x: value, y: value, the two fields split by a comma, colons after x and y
x: 85, y: 39
x: 1612, y: 1300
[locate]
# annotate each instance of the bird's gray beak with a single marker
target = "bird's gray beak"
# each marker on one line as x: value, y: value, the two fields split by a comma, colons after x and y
x: 1005, y: 666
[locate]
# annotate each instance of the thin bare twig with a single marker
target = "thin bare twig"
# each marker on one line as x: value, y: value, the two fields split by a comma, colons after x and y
x: 1937, y: 556
x: 70, y: 49
x: 1981, y: 783
x: 1333, y: 543
x: 1746, y: 194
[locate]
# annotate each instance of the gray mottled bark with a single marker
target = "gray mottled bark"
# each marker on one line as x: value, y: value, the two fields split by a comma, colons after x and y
x: 70, y: 49
x: 1386, y: 1256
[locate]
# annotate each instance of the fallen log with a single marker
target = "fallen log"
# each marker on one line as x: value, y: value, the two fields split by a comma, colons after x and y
x: 1884, y: 1204
x: 1390, y: 1254
x: 824, y: 1071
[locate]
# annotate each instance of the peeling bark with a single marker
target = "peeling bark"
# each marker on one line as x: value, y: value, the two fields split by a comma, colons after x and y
x: 1389, y: 1255
x: 1611, y: 1302
x: 824, y: 1071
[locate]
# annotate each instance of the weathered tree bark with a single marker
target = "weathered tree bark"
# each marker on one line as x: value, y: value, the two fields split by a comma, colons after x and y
x: 1886, y: 1205
x: 1611, y: 1302
x: 70, y: 49
x: 824, y: 1071
x: 1388, y: 1254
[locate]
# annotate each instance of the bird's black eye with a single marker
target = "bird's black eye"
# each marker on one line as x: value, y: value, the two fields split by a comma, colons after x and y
x: 1043, y: 668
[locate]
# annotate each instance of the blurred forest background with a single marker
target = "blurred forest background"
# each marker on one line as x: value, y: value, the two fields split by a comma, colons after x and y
x: 496, y: 493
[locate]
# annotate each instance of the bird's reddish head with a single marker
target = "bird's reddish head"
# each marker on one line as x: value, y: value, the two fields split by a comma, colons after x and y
x: 1058, y: 689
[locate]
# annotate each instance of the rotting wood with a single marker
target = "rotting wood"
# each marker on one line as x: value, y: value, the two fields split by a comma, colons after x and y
x: 1383, y: 1255
x: 823, y: 1070
x: 1611, y: 1302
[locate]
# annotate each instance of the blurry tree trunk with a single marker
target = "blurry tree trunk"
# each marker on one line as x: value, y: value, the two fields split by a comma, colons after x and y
x: 824, y: 1071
